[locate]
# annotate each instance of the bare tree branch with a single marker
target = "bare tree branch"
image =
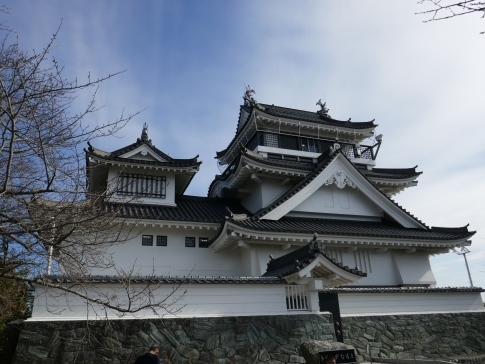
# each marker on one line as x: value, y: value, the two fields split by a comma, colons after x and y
x: 442, y: 10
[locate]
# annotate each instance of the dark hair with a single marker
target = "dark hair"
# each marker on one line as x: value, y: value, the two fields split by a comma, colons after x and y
x: 329, y: 358
x: 153, y: 348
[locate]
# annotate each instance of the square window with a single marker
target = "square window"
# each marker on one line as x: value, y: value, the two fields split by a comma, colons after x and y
x: 147, y: 240
x: 203, y: 242
x: 161, y: 240
x: 189, y: 242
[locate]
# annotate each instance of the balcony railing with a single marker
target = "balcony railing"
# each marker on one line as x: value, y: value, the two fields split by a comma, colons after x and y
x: 310, y: 145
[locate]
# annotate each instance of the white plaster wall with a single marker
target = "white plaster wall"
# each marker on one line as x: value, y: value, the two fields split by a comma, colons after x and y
x: 254, y: 200
x: 413, y: 269
x: 169, y: 199
x: 263, y: 194
x: 174, y: 259
x: 333, y: 200
x: 389, y: 268
x: 193, y: 301
x: 354, y: 304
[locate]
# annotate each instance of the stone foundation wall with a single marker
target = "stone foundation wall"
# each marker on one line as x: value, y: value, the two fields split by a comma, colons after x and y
x: 416, y: 336
x: 268, y: 339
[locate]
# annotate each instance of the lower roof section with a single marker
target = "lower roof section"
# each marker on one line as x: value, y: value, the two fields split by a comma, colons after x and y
x: 164, y: 280
x: 352, y: 228
x: 404, y: 290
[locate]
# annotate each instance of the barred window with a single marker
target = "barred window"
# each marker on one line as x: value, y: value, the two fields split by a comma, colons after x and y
x: 147, y: 240
x: 203, y: 242
x: 131, y: 184
x: 189, y: 242
x: 271, y: 140
x: 161, y: 240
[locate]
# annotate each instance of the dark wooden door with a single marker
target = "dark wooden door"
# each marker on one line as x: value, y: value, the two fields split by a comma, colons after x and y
x: 329, y: 302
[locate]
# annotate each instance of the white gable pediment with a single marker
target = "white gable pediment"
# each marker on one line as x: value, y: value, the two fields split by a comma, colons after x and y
x: 340, y: 174
x: 143, y: 152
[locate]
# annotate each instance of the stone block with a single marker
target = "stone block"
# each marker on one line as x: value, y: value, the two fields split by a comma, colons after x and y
x: 218, y: 353
x: 227, y: 338
x: 263, y: 355
x: 188, y: 352
x: 279, y: 356
x: 212, y: 342
x: 297, y: 359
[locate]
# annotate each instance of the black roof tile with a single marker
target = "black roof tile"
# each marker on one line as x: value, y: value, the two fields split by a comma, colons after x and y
x: 189, y: 208
x: 165, y: 280
x: 314, y: 117
x: 295, y: 261
x: 402, y: 290
x: 391, y: 173
x: 324, y: 227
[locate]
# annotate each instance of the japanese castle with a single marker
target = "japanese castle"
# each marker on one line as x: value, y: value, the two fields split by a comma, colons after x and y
x: 300, y: 221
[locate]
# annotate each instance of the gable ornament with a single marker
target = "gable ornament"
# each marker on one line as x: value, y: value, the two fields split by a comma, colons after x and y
x: 340, y: 180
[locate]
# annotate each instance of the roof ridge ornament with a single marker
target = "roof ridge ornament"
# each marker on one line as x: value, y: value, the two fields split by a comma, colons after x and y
x: 144, y: 135
x: 323, y: 112
x: 249, y: 100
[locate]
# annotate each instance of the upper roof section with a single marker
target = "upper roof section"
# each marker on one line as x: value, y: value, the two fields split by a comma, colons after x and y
x: 255, y: 117
x: 143, y: 151
x: 313, y: 117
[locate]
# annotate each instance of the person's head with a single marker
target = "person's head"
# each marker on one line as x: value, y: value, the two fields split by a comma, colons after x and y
x: 154, y: 350
x: 331, y: 360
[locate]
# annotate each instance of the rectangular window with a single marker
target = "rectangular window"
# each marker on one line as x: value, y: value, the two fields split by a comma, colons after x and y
x: 291, y: 158
x: 270, y: 140
x: 309, y: 145
x: 203, y: 242
x: 131, y: 184
x: 289, y: 142
x: 147, y: 240
x: 275, y: 156
x: 161, y: 240
x: 189, y: 242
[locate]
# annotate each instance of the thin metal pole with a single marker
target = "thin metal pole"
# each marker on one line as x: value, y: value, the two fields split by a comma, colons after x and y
x: 468, y: 270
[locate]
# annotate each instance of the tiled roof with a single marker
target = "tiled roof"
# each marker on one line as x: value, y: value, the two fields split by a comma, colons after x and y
x: 391, y: 173
x: 323, y: 227
x: 189, y: 208
x: 166, y: 280
x: 403, y: 289
x: 115, y: 155
x: 314, y: 117
x: 297, y: 260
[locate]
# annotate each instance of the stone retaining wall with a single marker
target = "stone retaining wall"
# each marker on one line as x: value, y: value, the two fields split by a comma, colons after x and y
x: 268, y: 339
x: 416, y: 336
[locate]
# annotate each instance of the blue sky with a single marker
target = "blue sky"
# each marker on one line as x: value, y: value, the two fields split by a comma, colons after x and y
x: 187, y: 64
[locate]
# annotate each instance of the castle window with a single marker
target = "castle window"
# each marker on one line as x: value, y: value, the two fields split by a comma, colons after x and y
x: 309, y: 145
x: 161, y: 240
x: 203, y: 242
x: 131, y: 184
x: 271, y: 140
x: 189, y: 242
x: 147, y: 240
